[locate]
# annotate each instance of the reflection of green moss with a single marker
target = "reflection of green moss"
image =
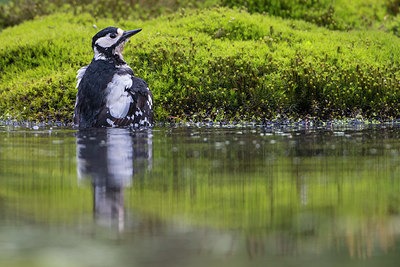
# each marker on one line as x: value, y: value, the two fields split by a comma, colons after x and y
x: 313, y: 192
x: 38, y: 179
x: 286, y: 194
x: 278, y: 186
x: 50, y: 204
x: 216, y: 64
x: 255, y: 204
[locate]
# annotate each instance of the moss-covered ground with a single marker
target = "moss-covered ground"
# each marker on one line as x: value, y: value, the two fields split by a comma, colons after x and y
x: 218, y: 63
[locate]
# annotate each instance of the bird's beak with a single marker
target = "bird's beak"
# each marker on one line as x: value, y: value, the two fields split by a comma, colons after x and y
x: 128, y: 34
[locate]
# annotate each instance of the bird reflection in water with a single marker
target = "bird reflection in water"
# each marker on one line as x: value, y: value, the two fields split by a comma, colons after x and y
x: 110, y: 157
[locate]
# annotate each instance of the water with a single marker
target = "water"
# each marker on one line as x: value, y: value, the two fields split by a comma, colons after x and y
x: 200, y: 197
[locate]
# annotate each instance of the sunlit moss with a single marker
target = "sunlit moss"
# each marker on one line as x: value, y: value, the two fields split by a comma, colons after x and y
x: 208, y: 65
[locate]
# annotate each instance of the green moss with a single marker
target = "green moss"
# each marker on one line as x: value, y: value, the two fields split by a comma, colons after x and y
x: 339, y: 14
x: 216, y: 64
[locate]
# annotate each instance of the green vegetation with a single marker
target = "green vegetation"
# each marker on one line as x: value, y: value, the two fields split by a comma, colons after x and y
x: 217, y: 64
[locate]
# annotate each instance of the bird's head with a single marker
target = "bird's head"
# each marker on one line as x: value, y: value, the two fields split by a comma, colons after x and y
x: 109, y: 42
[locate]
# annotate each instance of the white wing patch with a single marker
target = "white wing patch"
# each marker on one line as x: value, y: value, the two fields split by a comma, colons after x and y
x: 79, y: 77
x: 149, y: 100
x: 80, y: 74
x: 118, y: 99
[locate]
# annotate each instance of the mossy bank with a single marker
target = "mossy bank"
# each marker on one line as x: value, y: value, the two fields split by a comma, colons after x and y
x: 214, y: 64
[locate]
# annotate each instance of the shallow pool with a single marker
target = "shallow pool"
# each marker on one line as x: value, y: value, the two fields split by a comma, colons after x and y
x: 200, y: 196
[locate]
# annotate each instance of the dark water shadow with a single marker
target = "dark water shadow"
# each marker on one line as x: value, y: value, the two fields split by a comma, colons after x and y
x: 109, y: 158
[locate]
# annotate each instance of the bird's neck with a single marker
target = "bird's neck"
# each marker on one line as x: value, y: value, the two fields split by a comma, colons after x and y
x: 115, y: 58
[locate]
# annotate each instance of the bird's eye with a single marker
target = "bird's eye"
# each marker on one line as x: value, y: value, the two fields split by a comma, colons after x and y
x: 113, y: 35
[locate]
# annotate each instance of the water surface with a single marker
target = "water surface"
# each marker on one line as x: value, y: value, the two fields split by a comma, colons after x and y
x: 191, y: 196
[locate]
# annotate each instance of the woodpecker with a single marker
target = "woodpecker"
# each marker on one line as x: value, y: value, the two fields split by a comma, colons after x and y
x: 109, y: 94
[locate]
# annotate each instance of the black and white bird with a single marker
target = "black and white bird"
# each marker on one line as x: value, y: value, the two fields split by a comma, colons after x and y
x: 108, y: 92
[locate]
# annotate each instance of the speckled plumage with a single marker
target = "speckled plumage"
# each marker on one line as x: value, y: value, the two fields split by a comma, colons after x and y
x: 108, y: 92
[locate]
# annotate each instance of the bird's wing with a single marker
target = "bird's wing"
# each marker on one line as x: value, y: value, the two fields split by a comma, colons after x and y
x: 92, y: 83
x: 80, y: 74
x: 129, y: 102
x: 143, y: 100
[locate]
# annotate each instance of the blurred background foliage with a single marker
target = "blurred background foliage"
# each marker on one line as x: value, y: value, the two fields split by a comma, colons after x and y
x: 16, y: 11
x: 334, y: 14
